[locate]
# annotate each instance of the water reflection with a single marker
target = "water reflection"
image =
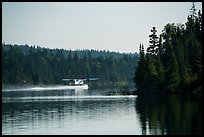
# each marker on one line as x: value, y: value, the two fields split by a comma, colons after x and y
x: 105, y: 111
x: 169, y: 115
x: 73, y: 112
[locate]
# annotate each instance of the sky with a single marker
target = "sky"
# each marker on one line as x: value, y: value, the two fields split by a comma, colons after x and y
x: 113, y: 26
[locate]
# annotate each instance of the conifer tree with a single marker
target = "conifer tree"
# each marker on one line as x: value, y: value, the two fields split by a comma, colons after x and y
x: 140, y: 73
x: 153, y: 42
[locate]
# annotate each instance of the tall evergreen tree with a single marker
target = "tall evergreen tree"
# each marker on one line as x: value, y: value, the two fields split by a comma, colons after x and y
x: 153, y: 42
x: 140, y: 73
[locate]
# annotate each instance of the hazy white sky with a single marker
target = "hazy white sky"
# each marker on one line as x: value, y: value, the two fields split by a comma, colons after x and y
x: 112, y: 26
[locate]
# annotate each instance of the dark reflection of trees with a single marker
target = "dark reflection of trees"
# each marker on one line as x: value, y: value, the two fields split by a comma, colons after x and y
x: 169, y: 114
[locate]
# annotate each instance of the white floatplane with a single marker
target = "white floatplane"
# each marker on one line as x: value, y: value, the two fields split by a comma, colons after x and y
x: 77, y: 83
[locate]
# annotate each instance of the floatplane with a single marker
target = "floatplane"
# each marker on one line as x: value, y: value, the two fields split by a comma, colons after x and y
x: 78, y: 83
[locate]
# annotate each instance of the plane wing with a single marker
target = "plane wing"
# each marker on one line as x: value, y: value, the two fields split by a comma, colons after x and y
x: 88, y: 79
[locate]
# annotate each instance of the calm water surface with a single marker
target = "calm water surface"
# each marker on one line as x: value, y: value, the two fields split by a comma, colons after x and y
x: 98, y: 111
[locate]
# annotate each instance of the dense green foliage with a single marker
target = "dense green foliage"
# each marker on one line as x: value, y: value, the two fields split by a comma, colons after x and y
x: 173, y: 61
x: 22, y: 65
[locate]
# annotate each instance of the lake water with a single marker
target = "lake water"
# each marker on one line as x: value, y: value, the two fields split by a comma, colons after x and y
x: 98, y: 112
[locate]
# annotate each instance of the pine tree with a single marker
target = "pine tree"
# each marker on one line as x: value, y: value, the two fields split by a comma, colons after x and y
x: 140, y: 73
x: 153, y: 42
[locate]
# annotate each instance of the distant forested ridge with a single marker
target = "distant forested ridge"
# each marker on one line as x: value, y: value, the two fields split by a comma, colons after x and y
x: 173, y: 60
x: 24, y: 64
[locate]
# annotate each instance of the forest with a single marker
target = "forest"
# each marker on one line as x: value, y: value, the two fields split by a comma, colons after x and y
x: 172, y: 62
x: 34, y: 65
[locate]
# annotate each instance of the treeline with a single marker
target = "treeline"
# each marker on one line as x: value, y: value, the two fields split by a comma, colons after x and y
x: 23, y: 64
x: 173, y: 60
